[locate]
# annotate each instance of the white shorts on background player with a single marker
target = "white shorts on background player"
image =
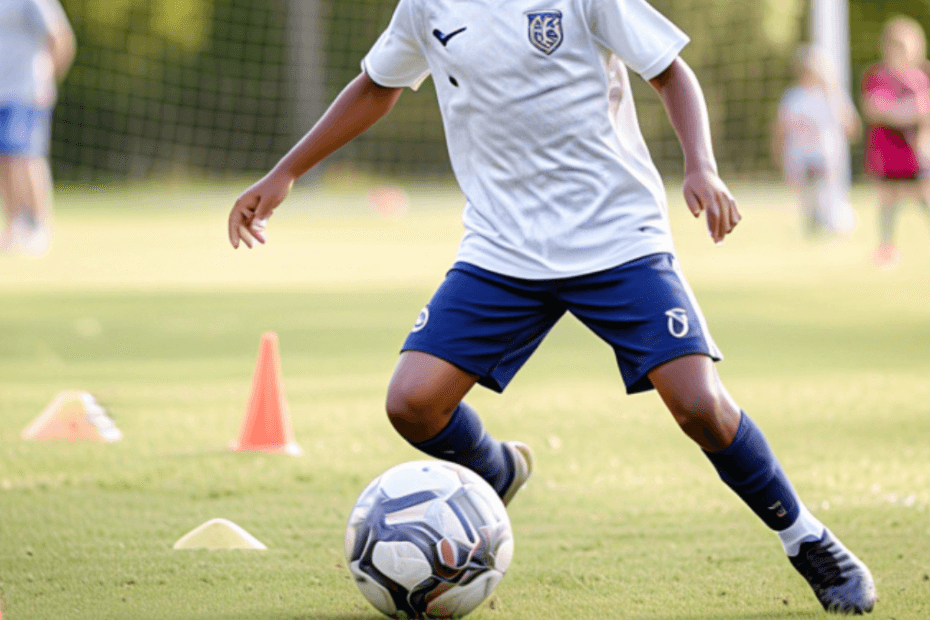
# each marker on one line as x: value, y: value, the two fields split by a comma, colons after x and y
x: 555, y: 188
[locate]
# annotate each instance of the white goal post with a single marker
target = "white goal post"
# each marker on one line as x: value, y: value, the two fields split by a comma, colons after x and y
x: 830, y: 32
x: 829, y: 27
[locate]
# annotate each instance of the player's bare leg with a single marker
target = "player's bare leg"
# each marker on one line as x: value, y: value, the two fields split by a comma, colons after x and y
x: 38, y: 185
x: 809, y: 208
x: 424, y: 404
x: 423, y: 393
x: 890, y: 195
x: 923, y: 195
x: 693, y: 392
x: 815, y: 202
x: 6, y: 237
x: 25, y: 186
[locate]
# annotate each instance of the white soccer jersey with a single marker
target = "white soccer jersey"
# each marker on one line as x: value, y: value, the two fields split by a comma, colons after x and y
x: 26, y: 73
x: 553, y: 187
x: 813, y: 122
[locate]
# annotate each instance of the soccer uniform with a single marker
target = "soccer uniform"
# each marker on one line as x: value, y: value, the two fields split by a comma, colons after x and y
x: 565, y: 212
x: 891, y: 152
x: 27, y: 80
x: 565, y: 209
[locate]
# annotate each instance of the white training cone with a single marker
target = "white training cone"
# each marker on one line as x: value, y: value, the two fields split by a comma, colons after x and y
x: 218, y: 534
x: 75, y: 416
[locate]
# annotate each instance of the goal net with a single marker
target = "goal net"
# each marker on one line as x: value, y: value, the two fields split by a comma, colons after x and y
x: 225, y: 87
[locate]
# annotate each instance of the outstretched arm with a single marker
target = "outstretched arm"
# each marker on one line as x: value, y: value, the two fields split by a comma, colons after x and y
x: 704, y: 191
x: 359, y: 106
x: 62, y: 46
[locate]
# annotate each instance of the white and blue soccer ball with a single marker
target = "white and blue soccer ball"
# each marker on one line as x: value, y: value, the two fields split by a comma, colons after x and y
x: 428, y: 539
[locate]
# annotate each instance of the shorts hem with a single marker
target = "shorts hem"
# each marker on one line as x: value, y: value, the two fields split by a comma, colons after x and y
x: 484, y: 378
x: 641, y: 383
x: 30, y: 153
x: 897, y: 176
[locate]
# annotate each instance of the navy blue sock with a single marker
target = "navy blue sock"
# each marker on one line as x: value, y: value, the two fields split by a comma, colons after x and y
x: 750, y: 468
x: 464, y: 441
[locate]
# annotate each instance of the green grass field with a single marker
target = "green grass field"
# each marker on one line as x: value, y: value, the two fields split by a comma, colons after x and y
x: 143, y: 304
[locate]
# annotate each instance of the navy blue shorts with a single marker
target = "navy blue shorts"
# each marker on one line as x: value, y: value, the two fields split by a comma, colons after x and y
x: 488, y: 324
x: 24, y: 130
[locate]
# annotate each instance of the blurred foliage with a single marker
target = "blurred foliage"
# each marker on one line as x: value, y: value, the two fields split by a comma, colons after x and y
x: 162, y: 86
x: 185, y: 24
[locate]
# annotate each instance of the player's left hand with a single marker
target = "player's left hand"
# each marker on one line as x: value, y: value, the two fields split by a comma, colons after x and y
x: 706, y: 192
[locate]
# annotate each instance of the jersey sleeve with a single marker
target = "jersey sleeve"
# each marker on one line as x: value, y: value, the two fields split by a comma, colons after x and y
x: 50, y: 16
x: 637, y: 33
x: 397, y: 59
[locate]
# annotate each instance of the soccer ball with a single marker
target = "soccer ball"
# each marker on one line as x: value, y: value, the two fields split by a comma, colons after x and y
x: 428, y: 539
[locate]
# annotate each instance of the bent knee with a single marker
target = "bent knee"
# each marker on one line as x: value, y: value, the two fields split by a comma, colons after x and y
x: 412, y: 408
x: 404, y: 403
x: 707, y: 418
x: 694, y: 407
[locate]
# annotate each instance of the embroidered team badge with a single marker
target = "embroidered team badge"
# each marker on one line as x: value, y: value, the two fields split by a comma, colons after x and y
x: 545, y: 30
x: 421, y: 321
x: 677, y: 322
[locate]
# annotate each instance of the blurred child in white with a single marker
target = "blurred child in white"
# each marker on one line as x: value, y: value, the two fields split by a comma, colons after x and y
x: 816, y: 118
x: 37, y: 47
x: 896, y: 103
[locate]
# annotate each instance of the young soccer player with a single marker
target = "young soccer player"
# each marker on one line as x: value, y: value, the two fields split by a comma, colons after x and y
x: 815, y: 120
x: 896, y: 103
x: 37, y: 46
x: 564, y: 213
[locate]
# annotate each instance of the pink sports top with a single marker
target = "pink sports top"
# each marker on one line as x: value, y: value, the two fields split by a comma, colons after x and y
x: 890, y: 151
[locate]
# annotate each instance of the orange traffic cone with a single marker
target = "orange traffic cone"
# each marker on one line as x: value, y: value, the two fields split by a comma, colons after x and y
x: 267, y: 425
x: 75, y: 416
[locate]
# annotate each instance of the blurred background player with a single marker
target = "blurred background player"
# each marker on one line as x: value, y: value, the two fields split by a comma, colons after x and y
x: 816, y: 118
x: 37, y: 46
x: 896, y: 104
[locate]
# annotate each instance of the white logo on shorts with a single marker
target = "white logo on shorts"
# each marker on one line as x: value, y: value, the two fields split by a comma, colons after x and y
x: 421, y: 320
x: 677, y: 322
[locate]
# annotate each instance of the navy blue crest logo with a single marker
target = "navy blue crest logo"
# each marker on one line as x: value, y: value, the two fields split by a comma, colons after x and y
x: 545, y: 30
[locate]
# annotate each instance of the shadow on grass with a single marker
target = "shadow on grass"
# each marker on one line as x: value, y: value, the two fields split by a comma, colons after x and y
x: 278, y: 615
x: 256, y: 615
x: 272, y: 615
x: 312, y: 616
x: 769, y: 615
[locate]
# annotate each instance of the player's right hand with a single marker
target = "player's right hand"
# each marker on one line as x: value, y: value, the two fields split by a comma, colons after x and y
x: 706, y: 193
x: 249, y: 216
